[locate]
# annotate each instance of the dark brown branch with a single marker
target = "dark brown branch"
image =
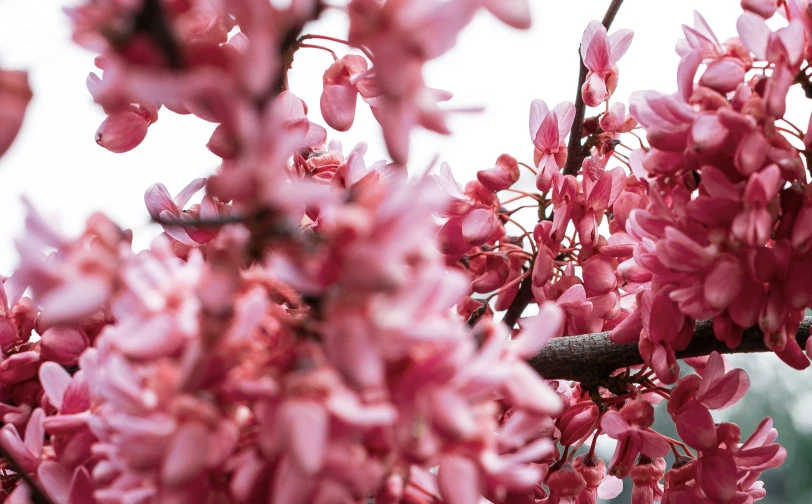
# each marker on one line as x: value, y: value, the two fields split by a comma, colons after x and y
x: 523, y: 298
x: 38, y: 495
x: 591, y: 358
x: 575, y: 151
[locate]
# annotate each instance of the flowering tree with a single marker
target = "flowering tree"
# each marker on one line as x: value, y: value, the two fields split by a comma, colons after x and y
x: 323, y: 329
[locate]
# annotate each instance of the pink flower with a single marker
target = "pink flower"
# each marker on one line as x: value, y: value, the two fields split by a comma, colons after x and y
x: 549, y: 130
x: 783, y: 48
x: 340, y: 91
x: 15, y: 94
x: 161, y: 206
x: 600, y: 53
x: 630, y: 426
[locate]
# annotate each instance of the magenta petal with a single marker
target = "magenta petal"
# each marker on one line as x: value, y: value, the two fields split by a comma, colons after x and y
x: 716, y: 474
x: 760, y: 458
x: 727, y: 391
x: 81, y: 487
x: 695, y: 426
x: 724, y: 283
x: 653, y: 444
x: 338, y: 105
x: 122, y: 131
x: 614, y: 425
x: 478, y: 225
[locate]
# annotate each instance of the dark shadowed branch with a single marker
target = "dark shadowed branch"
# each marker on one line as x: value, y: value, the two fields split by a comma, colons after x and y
x: 591, y: 358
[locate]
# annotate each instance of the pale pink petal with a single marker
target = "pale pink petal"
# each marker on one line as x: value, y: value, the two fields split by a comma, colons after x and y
x: 547, y: 137
x: 686, y: 71
x: 55, y: 381
x: 565, y: 111
x: 63, y: 345
x: 158, y: 200
x: 754, y: 32
x: 620, y: 42
x: 536, y: 331
x: 74, y: 300
x: 597, y: 53
x: 290, y: 484
x: 515, y: 13
x: 307, y: 426
x: 35, y: 432
x: 538, y: 111
x: 459, y: 480
x: 186, y: 455
x: 591, y: 29
x: 610, y: 487
x: 56, y: 480
x: 187, y: 192
x: 723, y: 75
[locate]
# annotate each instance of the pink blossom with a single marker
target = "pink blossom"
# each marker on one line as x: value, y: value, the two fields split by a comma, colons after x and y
x: 549, y: 130
x: 600, y: 53
x: 15, y: 95
x: 630, y: 427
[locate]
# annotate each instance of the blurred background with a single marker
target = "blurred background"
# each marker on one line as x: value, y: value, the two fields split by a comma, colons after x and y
x: 56, y: 163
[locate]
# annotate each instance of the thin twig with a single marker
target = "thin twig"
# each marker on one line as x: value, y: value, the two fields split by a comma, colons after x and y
x: 575, y: 154
x: 38, y: 495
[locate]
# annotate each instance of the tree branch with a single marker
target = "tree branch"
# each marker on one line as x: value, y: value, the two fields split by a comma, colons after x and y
x: 591, y: 358
x: 574, y: 160
x: 37, y: 494
x: 575, y: 151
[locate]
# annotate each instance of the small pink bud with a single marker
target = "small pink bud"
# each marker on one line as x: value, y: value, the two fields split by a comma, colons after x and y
x: 122, y: 131
x: 63, y: 345
x: 501, y: 176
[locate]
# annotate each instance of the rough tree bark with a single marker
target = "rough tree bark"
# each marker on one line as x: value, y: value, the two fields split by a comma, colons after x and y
x: 591, y: 358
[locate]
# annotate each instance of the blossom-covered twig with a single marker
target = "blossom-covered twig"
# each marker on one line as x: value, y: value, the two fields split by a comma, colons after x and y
x: 574, y: 147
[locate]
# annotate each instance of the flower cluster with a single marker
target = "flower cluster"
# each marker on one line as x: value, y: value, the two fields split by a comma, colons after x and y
x: 321, y: 328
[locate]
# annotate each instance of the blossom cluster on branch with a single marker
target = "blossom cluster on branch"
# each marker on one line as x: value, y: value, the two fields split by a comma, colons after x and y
x: 322, y: 328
